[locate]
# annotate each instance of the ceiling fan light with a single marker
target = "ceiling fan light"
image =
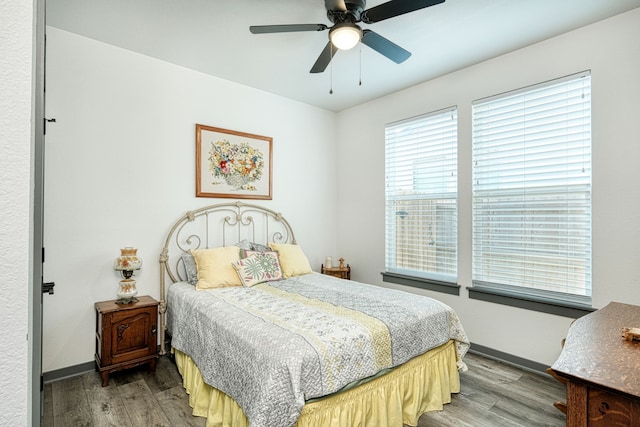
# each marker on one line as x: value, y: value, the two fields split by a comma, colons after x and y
x: 345, y: 36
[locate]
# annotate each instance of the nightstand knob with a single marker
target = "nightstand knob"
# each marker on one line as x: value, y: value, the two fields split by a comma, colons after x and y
x: 153, y: 330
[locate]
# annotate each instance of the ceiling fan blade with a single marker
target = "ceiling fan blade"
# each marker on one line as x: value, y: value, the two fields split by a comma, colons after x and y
x: 384, y: 46
x: 323, y: 60
x: 266, y: 29
x: 394, y: 8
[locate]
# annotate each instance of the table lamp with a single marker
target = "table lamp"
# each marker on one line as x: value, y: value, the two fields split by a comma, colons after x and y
x: 126, y: 264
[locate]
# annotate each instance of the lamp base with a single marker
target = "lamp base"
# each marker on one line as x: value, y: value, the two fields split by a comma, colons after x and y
x: 125, y: 301
x: 127, y: 292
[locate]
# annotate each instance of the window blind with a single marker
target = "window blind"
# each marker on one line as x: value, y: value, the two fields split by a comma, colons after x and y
x: 532, y: 190
x: 421, y: 196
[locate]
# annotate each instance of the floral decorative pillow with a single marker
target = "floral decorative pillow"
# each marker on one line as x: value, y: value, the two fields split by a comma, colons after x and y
x: 258, y: 267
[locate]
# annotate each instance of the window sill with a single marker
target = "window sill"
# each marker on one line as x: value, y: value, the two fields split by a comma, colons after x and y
x: 422, y: 283
x: 544, y: 305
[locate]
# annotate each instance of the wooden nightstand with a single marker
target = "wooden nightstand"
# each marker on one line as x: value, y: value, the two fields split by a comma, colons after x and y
x: 341, y: 271
x: 126, y: 335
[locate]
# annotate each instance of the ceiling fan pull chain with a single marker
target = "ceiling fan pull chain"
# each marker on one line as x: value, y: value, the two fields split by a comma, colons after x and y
x: 360, y: 76
x: 331, y: 71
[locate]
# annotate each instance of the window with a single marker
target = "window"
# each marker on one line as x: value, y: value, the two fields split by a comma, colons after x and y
x: 532, y: 191
x: 421, y: 199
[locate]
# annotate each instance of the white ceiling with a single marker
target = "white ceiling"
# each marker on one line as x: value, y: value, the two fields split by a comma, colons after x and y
x: 212, y: 36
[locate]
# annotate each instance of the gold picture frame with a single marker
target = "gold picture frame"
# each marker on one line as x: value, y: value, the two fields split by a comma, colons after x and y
x: 232, y: 164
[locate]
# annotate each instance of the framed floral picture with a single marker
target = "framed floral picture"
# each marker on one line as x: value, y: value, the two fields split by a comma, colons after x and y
x: 232, y: 164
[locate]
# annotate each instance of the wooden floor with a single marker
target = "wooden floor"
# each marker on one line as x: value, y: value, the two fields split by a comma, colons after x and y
x: 493, y: 395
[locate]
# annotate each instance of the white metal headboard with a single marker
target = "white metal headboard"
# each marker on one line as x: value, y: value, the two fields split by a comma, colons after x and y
x: 222, y: 224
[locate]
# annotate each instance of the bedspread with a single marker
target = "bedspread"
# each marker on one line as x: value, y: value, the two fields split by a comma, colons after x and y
x: 274, y: 346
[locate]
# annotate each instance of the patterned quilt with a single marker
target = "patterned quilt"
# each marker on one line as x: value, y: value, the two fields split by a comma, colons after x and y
x: 273, y: 346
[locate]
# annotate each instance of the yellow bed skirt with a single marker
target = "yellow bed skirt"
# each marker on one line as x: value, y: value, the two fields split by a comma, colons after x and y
x: 399, y: 397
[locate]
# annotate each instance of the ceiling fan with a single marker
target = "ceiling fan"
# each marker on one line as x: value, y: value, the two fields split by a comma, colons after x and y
x: 345, y: 33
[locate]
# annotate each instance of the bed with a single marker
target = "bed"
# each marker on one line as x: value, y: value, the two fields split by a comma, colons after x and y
x: 261, y: 340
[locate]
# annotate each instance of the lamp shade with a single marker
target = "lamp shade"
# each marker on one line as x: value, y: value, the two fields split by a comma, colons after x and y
x: 128, y: 260
x: 345, y: 36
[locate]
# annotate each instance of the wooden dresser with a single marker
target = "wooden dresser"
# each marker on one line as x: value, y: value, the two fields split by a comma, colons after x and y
x: 601, y: 370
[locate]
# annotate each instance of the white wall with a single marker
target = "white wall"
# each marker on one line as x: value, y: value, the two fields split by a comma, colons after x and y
x: 16, y: 51
x: 610, y: 49
x: 120, y: 169
x: 126, y: 121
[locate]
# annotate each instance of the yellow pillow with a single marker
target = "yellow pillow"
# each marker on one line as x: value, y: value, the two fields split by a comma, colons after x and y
x: 292, y: 260
x: 215, y: 269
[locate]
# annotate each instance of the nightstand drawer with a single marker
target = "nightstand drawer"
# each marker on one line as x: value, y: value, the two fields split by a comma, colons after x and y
x: 342, y: 274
